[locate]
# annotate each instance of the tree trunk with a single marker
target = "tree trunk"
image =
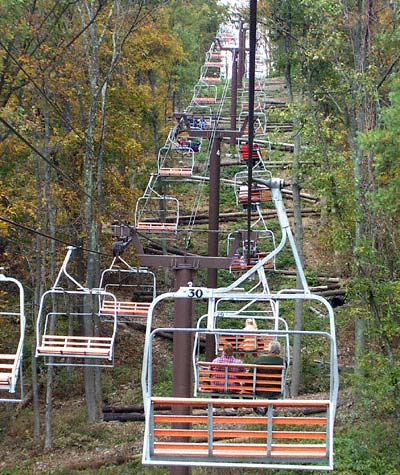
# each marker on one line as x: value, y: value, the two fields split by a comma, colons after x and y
x: 296, y: 188
x: 361, y: 117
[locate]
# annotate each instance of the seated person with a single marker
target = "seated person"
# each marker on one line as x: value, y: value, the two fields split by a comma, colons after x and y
x: 250, y: 342
x: 226, y: 357
x: 202, y: 123
x: 270, y: 358
x: 244, y: 151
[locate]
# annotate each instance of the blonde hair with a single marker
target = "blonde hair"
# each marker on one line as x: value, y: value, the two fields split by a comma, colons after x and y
x: 251, y: 323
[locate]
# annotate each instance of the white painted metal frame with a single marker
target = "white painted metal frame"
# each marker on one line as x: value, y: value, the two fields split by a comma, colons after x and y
x: 43, y: 322
x: 16, y: 362
x: 146, y: 204
x: 213, y: 295
x: 144, y: 279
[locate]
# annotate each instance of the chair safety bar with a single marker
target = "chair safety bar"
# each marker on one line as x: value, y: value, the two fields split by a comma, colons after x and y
x: 239, y: 380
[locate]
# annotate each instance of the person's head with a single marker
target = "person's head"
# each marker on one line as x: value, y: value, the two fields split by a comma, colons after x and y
x: 274, y: 348
x: 251, y: 324
x: 228, y: 349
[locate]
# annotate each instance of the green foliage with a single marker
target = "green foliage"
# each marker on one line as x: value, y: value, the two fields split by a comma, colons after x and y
x: 195, y: 24
x: 162, y: 379
x: 366, y: 448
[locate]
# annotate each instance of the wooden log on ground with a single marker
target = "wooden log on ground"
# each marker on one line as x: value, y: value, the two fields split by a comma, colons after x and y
x: 226, y: 217
x: 122, y: 409
x: 123, y: 417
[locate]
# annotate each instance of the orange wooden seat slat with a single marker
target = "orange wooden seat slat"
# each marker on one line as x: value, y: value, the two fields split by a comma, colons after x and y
x: 156, y: 227
x: 68, y: 351
x: 243, y: 343
x: 175, y: 171
x: 230, y: 434
x: 109, y: 307
x: 206, y: 100
x: 196, y: 419
x: 204, y: 402
x: 239, y: 450
x: 211, y: 80
x: 5, y: 356
x: 6, y: 366
x: 78, y: 338
x: 75, y: 345
x: 214, y: 64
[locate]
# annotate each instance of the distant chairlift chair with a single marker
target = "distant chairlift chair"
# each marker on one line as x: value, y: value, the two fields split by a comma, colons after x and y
x: 134, y: 289
x: 262, y: 241
x: 157, y: 214
x: 176, y: 160
x: 69, y: 331
x: 258, y: 194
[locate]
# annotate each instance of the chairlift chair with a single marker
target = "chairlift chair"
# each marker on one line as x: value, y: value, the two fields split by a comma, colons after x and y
x: 133, y: 287
x: 285, y: 437
x: 69, y: 331
x: 262, y: 241
x: 259, y: 193
x: 176, y: 160
x: 194, y: 108
x: 157, y: 214
x: 239, y: 380
x: 244, y: 153
x: 12, y: 314
x: 205, y: 94
x: 260, y: 121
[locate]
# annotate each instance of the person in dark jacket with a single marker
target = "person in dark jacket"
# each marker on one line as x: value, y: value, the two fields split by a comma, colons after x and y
x: 272, y: 357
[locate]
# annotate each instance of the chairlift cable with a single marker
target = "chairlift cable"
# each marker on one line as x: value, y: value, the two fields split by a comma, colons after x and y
x: 40, y: 90
x: 53, y: 238
x: 49, y: 162
x: 196, y: 203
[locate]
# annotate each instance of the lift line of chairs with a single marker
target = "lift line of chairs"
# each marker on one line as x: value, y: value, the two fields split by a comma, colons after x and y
x: 192, y: 431
x: 240, y: 414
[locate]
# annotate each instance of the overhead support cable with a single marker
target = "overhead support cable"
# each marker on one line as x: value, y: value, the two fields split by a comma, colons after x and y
x: 53, y: 238
x: 252, y: 59
x: 200, y: 190
x: 40, y: 154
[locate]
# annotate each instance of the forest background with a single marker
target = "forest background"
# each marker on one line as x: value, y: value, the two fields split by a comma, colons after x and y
x: 87, y: 90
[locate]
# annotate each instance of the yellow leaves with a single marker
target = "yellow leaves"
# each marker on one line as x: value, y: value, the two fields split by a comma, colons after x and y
x: 3, y: 229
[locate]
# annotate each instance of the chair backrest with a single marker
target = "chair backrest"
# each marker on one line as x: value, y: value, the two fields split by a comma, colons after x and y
x: 243, y: 380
